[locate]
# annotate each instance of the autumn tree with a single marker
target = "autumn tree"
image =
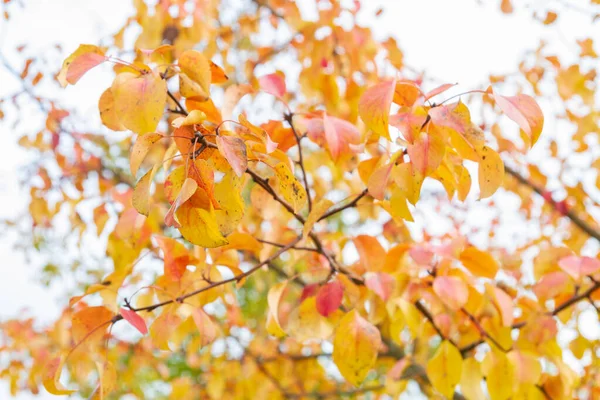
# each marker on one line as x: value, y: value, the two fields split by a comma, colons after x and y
x: 257, y: 192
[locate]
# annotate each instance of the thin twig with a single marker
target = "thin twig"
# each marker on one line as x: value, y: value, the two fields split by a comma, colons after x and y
x: 289, y: 118
x: 342, y: 208
x: 569, y: 212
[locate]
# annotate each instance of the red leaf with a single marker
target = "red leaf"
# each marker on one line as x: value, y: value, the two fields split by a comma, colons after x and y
x: 309, y: 291
x: 234, y: 151
x: 134, y: 319
x: 329, y: 298
x: 525, y: 112
x: 273, y: 84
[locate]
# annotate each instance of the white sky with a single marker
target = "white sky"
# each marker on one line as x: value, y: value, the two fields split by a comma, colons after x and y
x: 456, y: 41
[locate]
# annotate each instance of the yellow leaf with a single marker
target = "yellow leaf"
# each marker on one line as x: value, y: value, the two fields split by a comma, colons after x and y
x: 51, y: 377
x: 141, y: 193
x: 292, y: 190
x: 199, y: 226
x: 318, y: 209
x: 139, y: 100
x: 408, y: 180
x: 444, y: 369
x: 355, y: 347
x: 479, y: 263
x: 306, y: 323
x: 470, y: 381
x: 108, y: 114
x: 500, y: 375
x: 399, y: 206
x: 228, y: 195
x: 374, y: 107
x: 195, y: 76
x: 140, y: 149
x: 107, y: 375
x: 491, y: 172
x: 273, y: 299
x: 194, y: 117
x: 188, y: 189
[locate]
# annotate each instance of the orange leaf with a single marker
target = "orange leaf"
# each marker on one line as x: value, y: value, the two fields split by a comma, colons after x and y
x: 90, y: 324
x: 83, y: 59
x: 374, y: 107
x: 406, y: 93
x: 479, y: 263
x: 134, y: 319
x: 234, y: 151
x: 525, y: 112
x: 217, y: 75
x: 370, y: 251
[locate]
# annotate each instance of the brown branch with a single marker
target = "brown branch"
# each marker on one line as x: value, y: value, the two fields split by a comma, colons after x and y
x: 293, y: 248
x: 563, y: 306
x: 429, y: 318
x: 342, y: 208
x: 181, y: 108
x: 336, y: 393
x: 289, y: 118
x: 236, y: 278
x: 569, y: 213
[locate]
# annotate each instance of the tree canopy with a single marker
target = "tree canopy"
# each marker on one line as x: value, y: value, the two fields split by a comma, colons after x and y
x: 250, y: 219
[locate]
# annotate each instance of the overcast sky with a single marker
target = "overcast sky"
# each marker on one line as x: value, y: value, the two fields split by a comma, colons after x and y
x: 456, y: 41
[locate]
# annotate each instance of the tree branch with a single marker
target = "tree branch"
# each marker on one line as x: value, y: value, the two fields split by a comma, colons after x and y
x: 569, y: 212
x: 289, y: 118
x: 236, y: 278
x: 342, y: 208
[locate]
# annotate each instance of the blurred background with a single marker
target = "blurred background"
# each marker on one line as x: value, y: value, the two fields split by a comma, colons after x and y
x: 464, y: 41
